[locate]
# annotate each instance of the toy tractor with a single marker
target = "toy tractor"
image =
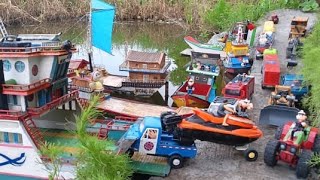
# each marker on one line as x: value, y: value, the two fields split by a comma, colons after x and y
x: 282, y: 96
x: 298, y: 27
x: 297, y: 151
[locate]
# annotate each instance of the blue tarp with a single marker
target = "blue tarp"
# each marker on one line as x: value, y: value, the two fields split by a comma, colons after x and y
x: 102, y: 16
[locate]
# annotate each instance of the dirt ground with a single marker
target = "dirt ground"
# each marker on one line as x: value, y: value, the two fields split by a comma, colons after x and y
x: 221, y: 162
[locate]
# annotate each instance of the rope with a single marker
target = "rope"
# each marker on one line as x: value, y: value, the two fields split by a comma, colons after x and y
x: 75, y: 23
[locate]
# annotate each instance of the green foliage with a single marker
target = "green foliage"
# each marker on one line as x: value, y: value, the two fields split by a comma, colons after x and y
x: 315, y: 161
x: 53, y: 153
x: 96, y: 161
x: 224, y: 13
x: 310, y: 69
x: 309, y: 5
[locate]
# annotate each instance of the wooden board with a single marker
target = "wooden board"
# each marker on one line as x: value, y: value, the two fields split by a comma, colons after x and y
x: 130, y: 108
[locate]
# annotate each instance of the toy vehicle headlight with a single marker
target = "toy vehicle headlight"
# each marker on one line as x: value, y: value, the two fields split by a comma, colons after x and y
x: 293, y: 150
x: 283, y: 146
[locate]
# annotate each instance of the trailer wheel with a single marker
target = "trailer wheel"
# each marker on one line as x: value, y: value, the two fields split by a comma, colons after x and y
x: 316, y: 144
x: 176, y: 161
x: 303, y: 169
x: 251, y: 154
x: 270, y: 153
x: 278, y: 133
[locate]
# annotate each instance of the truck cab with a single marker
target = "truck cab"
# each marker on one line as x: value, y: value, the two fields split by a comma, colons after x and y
x: 148, y: 137
x: 241, y: 87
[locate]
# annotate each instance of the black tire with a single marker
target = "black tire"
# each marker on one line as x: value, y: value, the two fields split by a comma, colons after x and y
x: 316, y: 144
x: 251, y: 154
x: 185, y: 141
x: 278, y: 133
x: 270, y: 153
x: 303, y: 169
x: 130, y: 152
x: 176, y: 161
x: 262, y: 86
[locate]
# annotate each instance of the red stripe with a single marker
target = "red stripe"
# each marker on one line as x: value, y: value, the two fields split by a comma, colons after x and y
x: 16, y: 146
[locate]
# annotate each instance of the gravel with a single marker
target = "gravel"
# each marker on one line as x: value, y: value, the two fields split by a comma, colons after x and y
x: 215, y: 161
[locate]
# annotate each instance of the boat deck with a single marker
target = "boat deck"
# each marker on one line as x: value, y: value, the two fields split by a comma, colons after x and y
x: 130, y: 108
x: 113, y: 81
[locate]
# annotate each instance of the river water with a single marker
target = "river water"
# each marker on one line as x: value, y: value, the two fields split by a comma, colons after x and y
x: 141, y: 36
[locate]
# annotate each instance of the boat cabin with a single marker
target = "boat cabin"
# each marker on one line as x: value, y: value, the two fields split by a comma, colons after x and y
x: 204, y: 63
x: 33, y: 77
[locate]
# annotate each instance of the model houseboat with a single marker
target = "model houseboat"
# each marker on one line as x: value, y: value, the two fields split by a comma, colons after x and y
x: 200, y: 89
x: 147, y: 72
x: 238, y: 57
x: 33, y: 78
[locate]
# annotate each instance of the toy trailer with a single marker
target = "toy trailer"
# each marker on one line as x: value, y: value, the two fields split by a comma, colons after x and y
x: 298, y: 27
x: 270, y: 71
x: 241, y: 87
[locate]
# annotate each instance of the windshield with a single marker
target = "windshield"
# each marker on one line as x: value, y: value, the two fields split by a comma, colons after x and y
x: 297, y: 83
x: 232, y: 92
x: 140, y: 122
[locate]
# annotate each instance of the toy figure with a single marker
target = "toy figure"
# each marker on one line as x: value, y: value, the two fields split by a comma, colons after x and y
x: 283, y: 98
x: 96, y: 85
x: 243, y: 105
x: 221, y: 111
x: 263, y: 39
x: 190, y: 87
x: 301, y: 124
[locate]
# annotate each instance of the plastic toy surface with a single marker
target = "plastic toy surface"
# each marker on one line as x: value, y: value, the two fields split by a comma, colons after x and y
x: 298, y: 27
x: 241, y: 87
x: 298, y: 88
x: 294, y: 143
x: 282, y: 96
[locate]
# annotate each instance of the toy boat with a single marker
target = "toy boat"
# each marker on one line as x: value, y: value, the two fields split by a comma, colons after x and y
x: 237, y: 65
x: 215, y: 48
x: 266, y: 38
x: 206, y: 127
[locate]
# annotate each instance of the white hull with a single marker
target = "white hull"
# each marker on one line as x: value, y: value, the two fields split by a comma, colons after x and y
x: 24, y: 159
x: 205, y: 50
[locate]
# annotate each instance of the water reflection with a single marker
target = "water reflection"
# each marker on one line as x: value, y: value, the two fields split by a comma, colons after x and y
x: 148, y: 37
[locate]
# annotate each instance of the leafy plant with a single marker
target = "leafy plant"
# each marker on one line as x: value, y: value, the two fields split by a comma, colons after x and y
x: 96, y: 160
x: 53, y: 153
x: 309, y: 5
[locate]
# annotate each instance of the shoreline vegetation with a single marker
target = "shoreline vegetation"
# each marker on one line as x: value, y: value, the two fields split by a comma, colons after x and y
x: 191, y: 14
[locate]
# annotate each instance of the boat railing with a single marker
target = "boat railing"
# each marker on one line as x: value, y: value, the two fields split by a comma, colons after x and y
x: 13, y: 87
x: 25, y: 50
x: 155, y: 81
x: 125, y: 67
x: 53, y: 104
x: 10, y: 114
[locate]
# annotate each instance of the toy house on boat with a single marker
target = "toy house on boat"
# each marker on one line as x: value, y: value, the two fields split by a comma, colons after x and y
x: 33, y: 82
x: 147, y: 72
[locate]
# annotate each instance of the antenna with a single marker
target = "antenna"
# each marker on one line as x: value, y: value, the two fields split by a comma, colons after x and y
x: 3, y: 29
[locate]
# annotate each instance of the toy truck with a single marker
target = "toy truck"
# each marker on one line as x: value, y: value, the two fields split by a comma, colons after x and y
x: 147, y: 136
x: 270, y: 71
x: 241, y: 87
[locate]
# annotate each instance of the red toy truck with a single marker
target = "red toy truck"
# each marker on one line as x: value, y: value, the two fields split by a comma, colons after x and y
x: 270, y: 71
x: 241, y: 87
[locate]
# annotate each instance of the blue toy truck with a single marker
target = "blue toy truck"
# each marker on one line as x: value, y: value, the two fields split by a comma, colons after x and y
x: 148, y: 136
x: 298, y: 88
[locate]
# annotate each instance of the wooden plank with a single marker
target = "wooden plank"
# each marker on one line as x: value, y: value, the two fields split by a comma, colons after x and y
x: 131, y: 108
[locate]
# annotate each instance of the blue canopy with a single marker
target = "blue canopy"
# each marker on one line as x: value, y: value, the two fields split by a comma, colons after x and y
x: 102, y: 15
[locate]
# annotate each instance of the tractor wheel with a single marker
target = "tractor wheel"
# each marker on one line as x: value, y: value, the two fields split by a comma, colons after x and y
x: 270, y: 152
x: 251, y: 154
x: 303, y: 169
x: 278, y: 133
x: 316, y: 144
x: 176, y: 161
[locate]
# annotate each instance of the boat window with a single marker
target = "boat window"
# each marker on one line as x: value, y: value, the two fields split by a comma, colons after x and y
x: 10, y: 138
x: 20, y: 66
x: 197, y: 78
x: 6, y: 65
x: 144, y: 66
x: 233, y: 92
x: 205, y: 79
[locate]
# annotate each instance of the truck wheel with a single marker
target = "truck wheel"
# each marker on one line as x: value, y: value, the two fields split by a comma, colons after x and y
x: 176, y: 161
x: 270, y: 152
x: 303, y: 169
x: 316, y: 144
x: 251, y: 154
x: 278, y: 133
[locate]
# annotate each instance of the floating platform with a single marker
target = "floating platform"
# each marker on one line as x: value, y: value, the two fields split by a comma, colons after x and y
x: 129, y: 108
